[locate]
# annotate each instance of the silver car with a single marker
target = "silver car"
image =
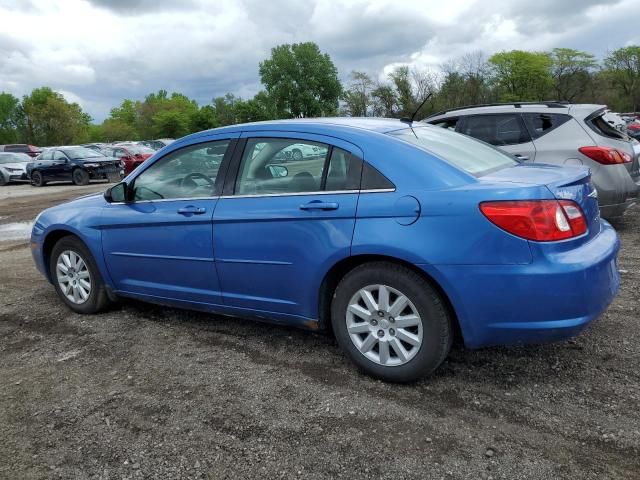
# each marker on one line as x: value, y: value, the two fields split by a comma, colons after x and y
x: 13, y: 167
x: 558, y: 133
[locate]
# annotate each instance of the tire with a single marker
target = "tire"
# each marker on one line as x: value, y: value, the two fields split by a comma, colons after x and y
x: 4, y: 178
x: 429, y: 328
x: 37, y: 180
x: 97, y: 298
x: 296, y: 155
x: 80, y: 177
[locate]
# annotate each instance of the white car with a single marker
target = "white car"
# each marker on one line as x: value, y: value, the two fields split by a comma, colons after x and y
x: 300, y: 151
x: 13, y: 167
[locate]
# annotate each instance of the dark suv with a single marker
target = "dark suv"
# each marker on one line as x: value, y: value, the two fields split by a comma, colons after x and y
x: 76, y: 164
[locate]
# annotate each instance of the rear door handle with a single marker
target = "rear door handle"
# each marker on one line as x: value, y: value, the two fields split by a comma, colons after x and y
x: 191, y: 210
x: 524, y: 158
x: 317, y: 205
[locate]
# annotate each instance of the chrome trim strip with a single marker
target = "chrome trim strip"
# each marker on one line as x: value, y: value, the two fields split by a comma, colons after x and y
x: 259, y: 262
x: 164, y: 257
x: 256, y: 195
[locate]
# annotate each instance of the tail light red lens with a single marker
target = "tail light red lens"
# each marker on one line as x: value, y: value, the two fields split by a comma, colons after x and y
x: 539, y: 220
x: 606, y: 155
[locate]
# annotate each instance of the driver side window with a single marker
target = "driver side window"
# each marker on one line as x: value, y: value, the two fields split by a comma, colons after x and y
x: 190, y: 172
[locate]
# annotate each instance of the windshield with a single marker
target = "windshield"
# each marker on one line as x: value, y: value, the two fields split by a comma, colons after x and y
x: 139, y: 149
x: 466, y: 153
x: 82, y: 152
x: 14, y: 158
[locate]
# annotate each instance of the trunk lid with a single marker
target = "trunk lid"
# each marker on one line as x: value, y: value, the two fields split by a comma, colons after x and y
x: 565, y: 183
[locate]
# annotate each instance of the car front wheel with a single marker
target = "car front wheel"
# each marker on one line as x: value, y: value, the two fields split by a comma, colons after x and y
x: 80, y: 177
x: 76, y: 277
x: 391, y: 322
x: 37, y: 180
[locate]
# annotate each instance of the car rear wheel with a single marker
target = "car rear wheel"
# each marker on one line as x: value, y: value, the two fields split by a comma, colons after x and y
x: 391, y: 322
x: 37, y: 180
x: 76, y: 277
x: 80, y: 177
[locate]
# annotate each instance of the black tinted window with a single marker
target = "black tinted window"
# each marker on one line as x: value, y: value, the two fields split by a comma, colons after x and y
x: 498, y: 130
x: 540, y: 124
x: 372, y: 179
x: 344, y: 171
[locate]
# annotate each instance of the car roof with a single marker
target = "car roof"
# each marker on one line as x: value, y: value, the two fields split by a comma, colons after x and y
x: 574, y: 109
x: 379, y: 125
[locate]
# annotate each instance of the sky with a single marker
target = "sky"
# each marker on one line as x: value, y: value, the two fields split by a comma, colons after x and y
x: 98, y: 52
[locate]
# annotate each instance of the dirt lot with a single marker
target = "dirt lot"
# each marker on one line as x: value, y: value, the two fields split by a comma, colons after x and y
x: 151, y: 392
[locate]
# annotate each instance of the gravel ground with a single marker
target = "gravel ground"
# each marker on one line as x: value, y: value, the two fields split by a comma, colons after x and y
x: 152, y: 392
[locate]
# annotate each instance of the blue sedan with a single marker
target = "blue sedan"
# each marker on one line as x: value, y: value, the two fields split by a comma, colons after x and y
x: 393, y: 236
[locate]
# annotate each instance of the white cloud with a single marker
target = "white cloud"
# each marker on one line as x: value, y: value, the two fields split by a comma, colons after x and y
x: 101, y: 51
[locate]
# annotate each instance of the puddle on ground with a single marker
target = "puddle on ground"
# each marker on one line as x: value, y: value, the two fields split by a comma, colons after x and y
x: 15, y: 231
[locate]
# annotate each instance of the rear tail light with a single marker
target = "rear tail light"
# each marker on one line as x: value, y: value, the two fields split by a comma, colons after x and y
x: 539, y: 220
x: 606, y: 155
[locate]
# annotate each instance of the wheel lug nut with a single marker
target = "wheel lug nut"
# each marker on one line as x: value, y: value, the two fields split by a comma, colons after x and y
x: 380, y: 313
x: 392, y: 320
x: 392, y: 331
x: 381, y: 333
x: 374, y: 322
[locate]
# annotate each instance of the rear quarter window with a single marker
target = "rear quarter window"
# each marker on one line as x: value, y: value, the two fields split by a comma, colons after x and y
x: 598, y: 124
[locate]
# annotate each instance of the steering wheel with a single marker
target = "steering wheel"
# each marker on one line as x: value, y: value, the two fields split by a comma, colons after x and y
x: 190, y: 179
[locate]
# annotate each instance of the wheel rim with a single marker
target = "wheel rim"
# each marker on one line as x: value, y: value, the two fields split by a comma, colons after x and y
x: 77, y: 176
x: 384, y: 325
x: 36, y: 178
x: 73, y: 276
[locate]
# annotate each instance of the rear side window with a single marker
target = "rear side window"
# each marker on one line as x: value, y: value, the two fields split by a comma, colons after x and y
x: 465, y: 153
x: 344, y: 171
x: 15, y: 148
x: 498, y: 130
x: 540, y: 124
x: 372, y: 179
x: 602, y: 127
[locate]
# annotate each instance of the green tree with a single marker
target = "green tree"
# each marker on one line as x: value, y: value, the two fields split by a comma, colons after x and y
x: 384, y: 101
x: 571, y: 71
x: 301, y: 80
x: 521, y: 76
x: 204, y: 119
x: 11, y: 118
x: 51, y: 120
x: 225, y: 109
x: 357, y: 98
x: 622, y: 68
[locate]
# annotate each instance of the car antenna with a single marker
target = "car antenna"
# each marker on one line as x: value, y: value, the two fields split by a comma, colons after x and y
x: 413, y: 116
x: 410, y: 120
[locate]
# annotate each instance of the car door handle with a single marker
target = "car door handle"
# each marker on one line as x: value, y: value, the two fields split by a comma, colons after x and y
x: 524, y: 158
x: 191, y: 210
x: 317, y: 205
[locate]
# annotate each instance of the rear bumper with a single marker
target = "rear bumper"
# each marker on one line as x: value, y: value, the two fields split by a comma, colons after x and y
x: 553, y: 298
x: 617, y: 190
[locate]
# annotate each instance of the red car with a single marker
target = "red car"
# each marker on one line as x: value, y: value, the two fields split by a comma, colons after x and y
x: 131, y: 154
x: 30, y: 150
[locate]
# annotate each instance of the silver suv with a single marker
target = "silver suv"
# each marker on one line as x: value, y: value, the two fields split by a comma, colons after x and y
x: 562, y: 134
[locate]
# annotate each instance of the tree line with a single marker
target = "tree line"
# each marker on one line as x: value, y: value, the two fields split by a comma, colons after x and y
x: 301, y: 81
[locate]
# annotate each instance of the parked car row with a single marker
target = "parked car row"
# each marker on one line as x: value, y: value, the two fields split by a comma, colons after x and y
x: 559, y: 134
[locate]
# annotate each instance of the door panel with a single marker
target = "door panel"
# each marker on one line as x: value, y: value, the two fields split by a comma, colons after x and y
x: 152, y: 249
x: 270, y: 252
x: 160, y: 243
x: 272, y: 249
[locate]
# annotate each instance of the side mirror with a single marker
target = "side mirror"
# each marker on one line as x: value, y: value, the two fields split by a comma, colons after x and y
x: 117, y: 193
x: 278, y: 171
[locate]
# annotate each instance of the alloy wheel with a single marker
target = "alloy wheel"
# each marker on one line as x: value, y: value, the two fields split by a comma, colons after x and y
x: 384, y: 325
x: 73, y: 277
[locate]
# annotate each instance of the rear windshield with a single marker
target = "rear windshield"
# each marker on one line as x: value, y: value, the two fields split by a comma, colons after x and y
x: 466, y: 153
